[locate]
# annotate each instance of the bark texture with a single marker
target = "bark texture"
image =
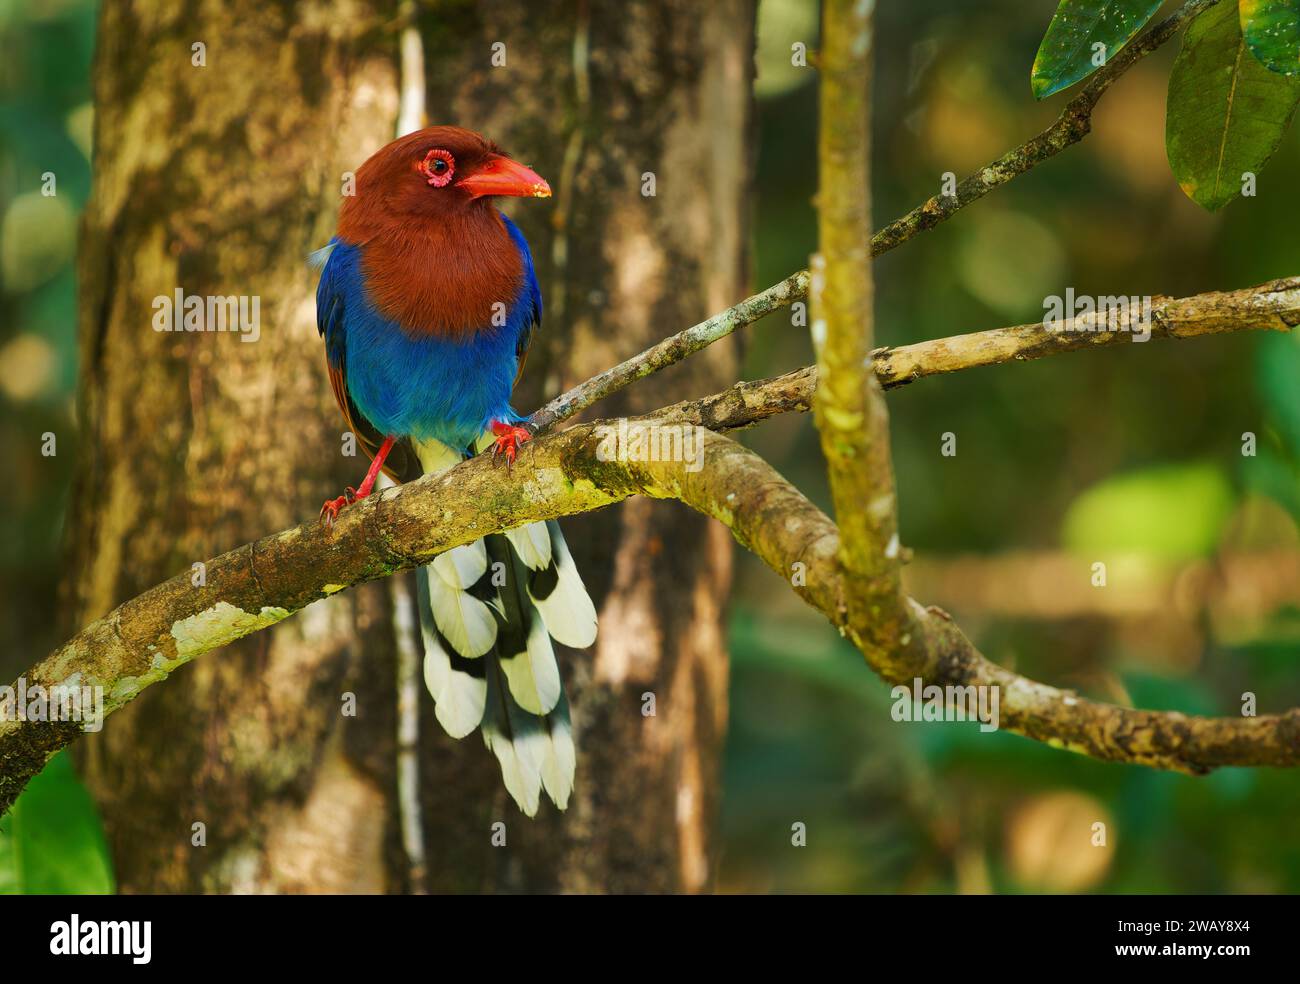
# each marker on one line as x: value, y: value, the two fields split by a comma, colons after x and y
x: 219, y: 179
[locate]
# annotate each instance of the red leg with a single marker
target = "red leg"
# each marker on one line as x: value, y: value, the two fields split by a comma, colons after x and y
x: 509, y: 439
x: 330, y: 511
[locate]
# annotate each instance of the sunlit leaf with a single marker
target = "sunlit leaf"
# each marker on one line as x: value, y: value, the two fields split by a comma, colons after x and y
x: 1069, y: 50
x: 1272, y: 32
x: 50, y: 840
x: 1170, y: 512
x: 1226, y: 112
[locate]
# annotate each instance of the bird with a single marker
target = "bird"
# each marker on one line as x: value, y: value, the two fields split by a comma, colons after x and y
x: 427, y: 303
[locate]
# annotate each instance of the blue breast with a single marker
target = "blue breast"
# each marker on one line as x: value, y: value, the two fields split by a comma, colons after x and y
x: 423, y: 387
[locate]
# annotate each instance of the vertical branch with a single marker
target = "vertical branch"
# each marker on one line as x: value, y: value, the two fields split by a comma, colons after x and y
x: 849, y: 403
x: 572, y: 157
x: 411, y: 109
x: 410, y: 117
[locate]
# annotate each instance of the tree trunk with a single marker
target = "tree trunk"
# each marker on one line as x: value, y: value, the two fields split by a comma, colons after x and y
x: 220, y: 180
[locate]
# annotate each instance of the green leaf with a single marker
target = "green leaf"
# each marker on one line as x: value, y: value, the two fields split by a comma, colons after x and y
x: 1226, y: 112
x: 51, y: 842
x: 1168, y: 512
x: 1272, y: 32
x: 1068, y: 51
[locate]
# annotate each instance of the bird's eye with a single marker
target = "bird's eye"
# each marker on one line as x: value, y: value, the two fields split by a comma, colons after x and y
x: 438, y: 166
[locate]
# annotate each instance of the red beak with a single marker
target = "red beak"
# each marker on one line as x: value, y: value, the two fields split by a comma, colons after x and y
x: 502, y: 176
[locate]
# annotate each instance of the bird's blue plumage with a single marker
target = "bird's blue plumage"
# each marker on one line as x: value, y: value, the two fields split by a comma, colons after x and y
x: 426, y: 387
x: 420, y: 262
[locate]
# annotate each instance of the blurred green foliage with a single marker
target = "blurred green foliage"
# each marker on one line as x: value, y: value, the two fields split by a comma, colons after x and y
x: 1272, y: 30
x: 51, y: 842
x: 1165, y: 511
x: 45, y: 127
x: 1135, y: 448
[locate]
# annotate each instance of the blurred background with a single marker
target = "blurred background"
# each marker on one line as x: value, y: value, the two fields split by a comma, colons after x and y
x: 1132, y: 456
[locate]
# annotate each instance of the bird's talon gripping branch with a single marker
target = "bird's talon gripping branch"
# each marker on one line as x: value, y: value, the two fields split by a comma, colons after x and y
x: 330, y: 511
x: 509, y: 438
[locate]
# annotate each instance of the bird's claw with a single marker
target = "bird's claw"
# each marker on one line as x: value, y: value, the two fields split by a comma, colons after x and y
x: 509, y: 438
x: 330, y: 511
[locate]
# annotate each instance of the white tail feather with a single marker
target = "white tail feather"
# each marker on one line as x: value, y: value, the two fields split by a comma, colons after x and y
x: 519, y: 742
x: 464, y: 621
x: 567, y: 609
x: 561, y: 761
x: 533, y: 675
x: 533, y: 545
x: 462, y: 566
x: 459, y: 697
x: 518, y: 698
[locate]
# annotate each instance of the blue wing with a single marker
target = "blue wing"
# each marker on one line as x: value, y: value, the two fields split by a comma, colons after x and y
x: 530, y: 299
x: 387, y: 382
x: 402, y: 464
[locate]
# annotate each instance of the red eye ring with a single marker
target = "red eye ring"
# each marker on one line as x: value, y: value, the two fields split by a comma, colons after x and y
x: 438, y: 166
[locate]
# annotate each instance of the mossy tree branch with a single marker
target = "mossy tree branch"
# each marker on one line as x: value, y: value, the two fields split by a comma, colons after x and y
x: 258, y: 584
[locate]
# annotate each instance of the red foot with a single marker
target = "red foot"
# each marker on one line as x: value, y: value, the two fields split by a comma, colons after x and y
x: 509, y: 439
x: 330, y: 511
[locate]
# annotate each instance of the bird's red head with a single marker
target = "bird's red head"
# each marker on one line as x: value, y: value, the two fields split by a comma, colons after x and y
x: 436, y: 172
x: 437, y: 254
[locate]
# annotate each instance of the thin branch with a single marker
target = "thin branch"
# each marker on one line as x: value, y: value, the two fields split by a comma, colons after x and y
x: 1271, y: 306
x: 1074, y: 123
x: 1274, y: 306
x: 671, y: 350
x: 410, y: 117
x: 1070, y: 127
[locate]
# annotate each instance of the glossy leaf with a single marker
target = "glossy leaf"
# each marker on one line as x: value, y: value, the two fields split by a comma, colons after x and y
x: 51, y: 842
x: 1272, y: 32
x: 1226, y: 113
x: 1069, y: 50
